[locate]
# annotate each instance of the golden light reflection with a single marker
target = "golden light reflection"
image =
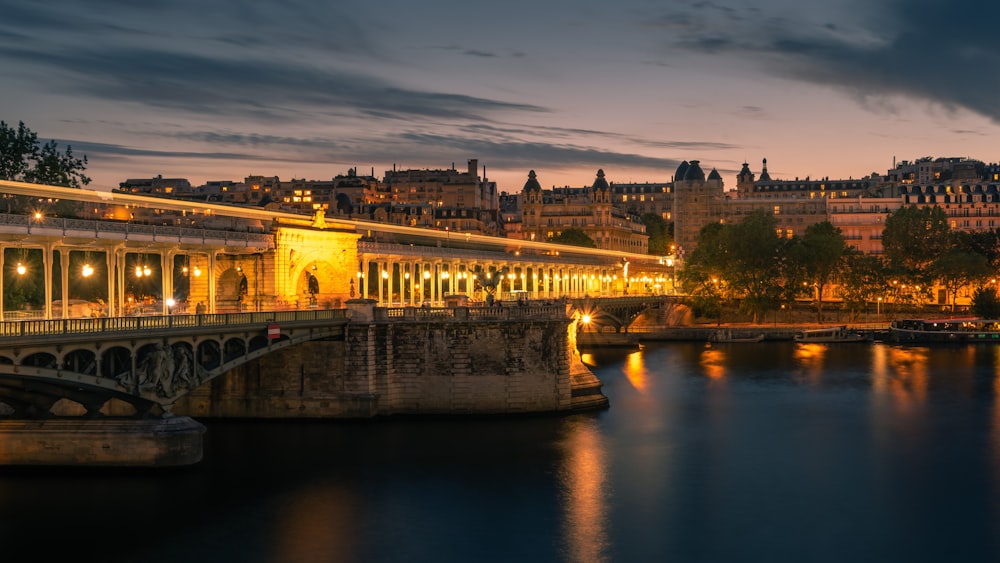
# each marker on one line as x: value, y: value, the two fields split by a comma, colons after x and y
x: 901, y: 373
x: 317, y: 524
x: 811, y: 357
x: 584, y: 476
x: 713, y: 363
x: 635, y: 371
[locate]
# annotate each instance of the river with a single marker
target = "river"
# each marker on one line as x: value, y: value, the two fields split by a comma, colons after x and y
x: 734, y: 452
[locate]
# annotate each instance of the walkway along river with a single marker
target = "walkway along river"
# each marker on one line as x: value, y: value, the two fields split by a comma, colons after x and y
x: 729, y: 452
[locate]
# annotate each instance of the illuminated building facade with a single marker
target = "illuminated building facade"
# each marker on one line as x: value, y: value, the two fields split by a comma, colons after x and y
x: 547, y: 213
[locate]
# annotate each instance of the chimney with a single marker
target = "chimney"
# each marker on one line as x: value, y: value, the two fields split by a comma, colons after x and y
x: 473, y: 167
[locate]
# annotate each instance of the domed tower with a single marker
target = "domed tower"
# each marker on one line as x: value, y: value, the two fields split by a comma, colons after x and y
x: 532, y: 205
x: 744, y: 180
x: 764, y: 176
x: 681, y: 171
x: 600, y: 191
x: 532, y: 190
x: 694, y: 173
x: 697, y: 201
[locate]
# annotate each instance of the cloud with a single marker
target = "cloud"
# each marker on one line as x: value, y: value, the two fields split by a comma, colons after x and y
x: 943, y: 53
x: 528, y: 154
x: 264, y: 61
x: 251, y: 89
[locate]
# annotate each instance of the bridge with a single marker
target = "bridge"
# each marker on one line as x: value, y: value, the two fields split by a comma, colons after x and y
x: 212, y: 258
x: 79, y: 367
x: 228, y: 311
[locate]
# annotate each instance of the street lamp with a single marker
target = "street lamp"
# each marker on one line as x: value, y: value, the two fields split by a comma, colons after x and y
x: 878, y: 310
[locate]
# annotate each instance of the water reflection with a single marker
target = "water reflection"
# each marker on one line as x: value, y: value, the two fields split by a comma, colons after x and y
x: 713, y: 363
x: 901, y: 374
x: 810, y: 356
x: 316, y: 524
x: 635, y: 371
x: 583, y: 478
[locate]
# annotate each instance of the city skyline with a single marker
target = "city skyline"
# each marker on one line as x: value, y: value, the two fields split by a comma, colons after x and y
x: 308, y: 90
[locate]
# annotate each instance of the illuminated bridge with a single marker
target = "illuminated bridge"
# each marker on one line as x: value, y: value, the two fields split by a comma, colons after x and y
x: 109, y: 326
x: 270, y: 260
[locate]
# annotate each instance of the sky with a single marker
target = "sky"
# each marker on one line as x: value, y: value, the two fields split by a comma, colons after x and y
x: 224, y: 89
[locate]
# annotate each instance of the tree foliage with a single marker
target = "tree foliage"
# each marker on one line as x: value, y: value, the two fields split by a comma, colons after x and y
x: 913, y: 238
x: 660, y: 232
x: 986, y: 303
x: 22, y: 159
x: 862, y: 281
x: 741, y: 261
x: 956, y: 268
x: 18, y: 151
x: 573, y: 237
x: 823, y: 249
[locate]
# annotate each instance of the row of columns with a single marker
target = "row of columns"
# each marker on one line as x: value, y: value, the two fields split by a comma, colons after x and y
x: 115, y: 264
x: 405, y: 281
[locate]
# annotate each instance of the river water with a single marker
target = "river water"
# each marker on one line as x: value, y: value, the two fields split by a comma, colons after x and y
x: 738, y: 452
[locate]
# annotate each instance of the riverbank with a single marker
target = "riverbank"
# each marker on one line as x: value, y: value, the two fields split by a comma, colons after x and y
x: 732, y: 332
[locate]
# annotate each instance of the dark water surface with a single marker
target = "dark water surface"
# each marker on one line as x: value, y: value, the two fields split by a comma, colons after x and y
x: 739, y: 452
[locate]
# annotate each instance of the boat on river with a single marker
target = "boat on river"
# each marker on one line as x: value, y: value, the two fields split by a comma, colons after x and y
x: 830, y: 334
x: 728, y: 336
x: 945, y: 330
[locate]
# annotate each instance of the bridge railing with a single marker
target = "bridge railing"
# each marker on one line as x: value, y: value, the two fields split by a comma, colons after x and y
x: 126, y: 228
x: 512, y: 312
x: 132, y: 324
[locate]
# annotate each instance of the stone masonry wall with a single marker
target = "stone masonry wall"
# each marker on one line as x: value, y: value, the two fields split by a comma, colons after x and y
x: 418, y: 367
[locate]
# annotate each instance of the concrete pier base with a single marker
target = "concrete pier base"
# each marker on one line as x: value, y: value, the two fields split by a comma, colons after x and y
x: 101, y: 442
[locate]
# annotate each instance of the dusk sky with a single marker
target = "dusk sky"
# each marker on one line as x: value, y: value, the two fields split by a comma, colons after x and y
x: 222, y: 89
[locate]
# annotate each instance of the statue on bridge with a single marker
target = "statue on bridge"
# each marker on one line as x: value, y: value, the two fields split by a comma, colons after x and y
x: 490, y: 284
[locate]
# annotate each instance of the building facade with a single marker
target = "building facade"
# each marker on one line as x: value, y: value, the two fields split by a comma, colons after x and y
x: 547, y: 213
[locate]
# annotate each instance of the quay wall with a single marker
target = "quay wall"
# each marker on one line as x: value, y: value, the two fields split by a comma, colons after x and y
x: 452, y: 365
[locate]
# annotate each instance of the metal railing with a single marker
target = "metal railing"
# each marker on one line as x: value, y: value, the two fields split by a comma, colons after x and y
x: 124, y: 228
x: 473, y: 313
x: 118, y: 325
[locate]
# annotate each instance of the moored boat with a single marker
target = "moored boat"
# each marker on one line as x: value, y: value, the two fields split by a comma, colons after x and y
x: 831, y: 334
x: 945, y: 330
x: 724, y: 336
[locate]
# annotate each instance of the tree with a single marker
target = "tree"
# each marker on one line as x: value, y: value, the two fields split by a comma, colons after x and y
x: 752, y: 267
x: 18, y: 149
x: 743, y: 261
x: 573, y: 237
x: 986, y: 303
x: 660, y: 232
x: 57, y: 169
x: 913, y: 238
x: 862, y: 280
x: 704, y: 271
x: 823, y: 248
x: 956, y: 268
x: 23, y: 160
